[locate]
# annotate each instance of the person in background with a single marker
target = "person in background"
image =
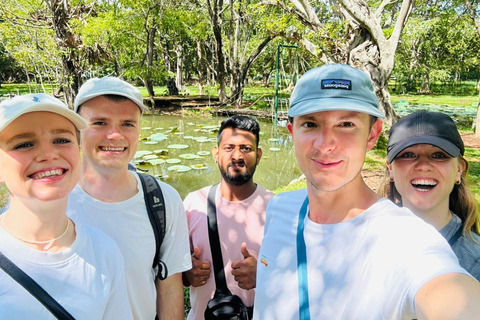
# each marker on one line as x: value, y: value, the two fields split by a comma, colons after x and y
x: 337, y: 250
x: 79, y: 266
x: 240, y: 205
x: 110, y: 197
x: 427, y: 173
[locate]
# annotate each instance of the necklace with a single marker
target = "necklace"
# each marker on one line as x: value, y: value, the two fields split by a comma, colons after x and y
x: 32, y: 241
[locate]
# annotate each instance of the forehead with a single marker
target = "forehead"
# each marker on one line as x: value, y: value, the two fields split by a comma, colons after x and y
x: 101, y: 106
x: 336, y: 115
x: 238, y: 136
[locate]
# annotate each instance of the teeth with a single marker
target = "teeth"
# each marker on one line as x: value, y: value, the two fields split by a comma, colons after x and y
x: 423, y: 182
x: 41, y: 175
x: 112, y: 149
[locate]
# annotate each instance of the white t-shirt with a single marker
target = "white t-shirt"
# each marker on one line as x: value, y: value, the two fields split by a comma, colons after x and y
x: 238, y: 222
x: 368, y: 267
x: 87, y: 279
x: 128, y: 224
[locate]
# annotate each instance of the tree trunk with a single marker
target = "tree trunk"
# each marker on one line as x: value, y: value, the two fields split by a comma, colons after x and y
x: 216, y: 20
x: 178, y: 77
x: 151, y: 33
x: 199, y: 67
x: 67, y: 43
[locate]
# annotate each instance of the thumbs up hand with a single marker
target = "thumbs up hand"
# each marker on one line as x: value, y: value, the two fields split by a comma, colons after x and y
x: 200, y: 272
x: 245, y: 271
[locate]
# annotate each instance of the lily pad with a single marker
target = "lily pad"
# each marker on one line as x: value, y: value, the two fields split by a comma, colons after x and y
x: 275, y: 149
x: 179, y: 168
x: 151, y: 142
x: 146, y: 128
x: 172, y: 161
x: 203, y: 153
x: 150, y: 157
x: 199, y: 166
x: 188, y: 156
x: 162, y: 177
x: 158, y: 137
x: 141, y: 153
x: 156, y: 162
x: 187, y: 137
x: 274, y: 140
x: 178, y: 146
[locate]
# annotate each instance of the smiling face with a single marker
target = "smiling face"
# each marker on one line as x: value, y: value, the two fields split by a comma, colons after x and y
x: 39, y: 156
x: 111, y: 140
x: 330, y: 146
x: 237, y: 156
x: 424, y: 176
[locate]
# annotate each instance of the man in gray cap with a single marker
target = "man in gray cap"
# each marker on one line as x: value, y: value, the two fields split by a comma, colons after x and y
x: 110, y: 197
x: 336, y: 250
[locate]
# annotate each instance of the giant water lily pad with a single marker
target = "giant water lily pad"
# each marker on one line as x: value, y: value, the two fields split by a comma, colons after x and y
x: 179, y: 168
x: 158, y: 137
x: 156, y: 162
x: 146, y: 128
x: 275, y: 149
x: 200, y: 166
x: 178, y: 146
x: 172, y: 161
x: 274, y: 140
x: 161, y: 176
x: 188, y: 156
x: 203, y: 153
x: 150, y: 157
x: 151, y: 142
x: 187, y: 137
x: 141, y: 153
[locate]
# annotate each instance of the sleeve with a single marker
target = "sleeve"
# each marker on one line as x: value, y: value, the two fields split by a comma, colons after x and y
x: 118, y: 306
x: 175, y: 249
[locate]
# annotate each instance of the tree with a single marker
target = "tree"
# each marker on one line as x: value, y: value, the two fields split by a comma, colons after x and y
x: 472, y: 8
x: 365, y: 36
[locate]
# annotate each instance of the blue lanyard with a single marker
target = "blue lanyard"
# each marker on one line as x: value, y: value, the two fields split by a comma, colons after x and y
x: 304, y: 309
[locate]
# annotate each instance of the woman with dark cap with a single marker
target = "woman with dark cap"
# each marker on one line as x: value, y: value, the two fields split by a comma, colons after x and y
x: 427, y: 174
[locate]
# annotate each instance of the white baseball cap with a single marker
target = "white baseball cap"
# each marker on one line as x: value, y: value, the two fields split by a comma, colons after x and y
x: 13, y: 108
x: 96, y: 87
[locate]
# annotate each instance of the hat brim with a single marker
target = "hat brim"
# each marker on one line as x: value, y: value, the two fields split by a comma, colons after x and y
x: 98, y: 94
x: 333, y: 104
x: 443, y: 144
x: 77, y: 120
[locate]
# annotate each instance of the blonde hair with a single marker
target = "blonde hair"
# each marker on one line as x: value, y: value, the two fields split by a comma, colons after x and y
x: 461, y: 200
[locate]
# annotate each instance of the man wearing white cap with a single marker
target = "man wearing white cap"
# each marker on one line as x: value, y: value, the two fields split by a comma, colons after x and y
x: 110, y: 197
x: 336, y: 250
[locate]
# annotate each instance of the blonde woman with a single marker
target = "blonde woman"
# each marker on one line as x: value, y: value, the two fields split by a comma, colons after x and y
x: 78, y: 266
x: 427, y: 174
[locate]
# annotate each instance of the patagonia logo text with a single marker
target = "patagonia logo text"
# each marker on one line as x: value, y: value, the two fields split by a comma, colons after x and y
x: 337, y: 84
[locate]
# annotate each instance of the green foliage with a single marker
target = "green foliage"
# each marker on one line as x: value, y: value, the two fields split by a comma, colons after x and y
x: 473, y: 157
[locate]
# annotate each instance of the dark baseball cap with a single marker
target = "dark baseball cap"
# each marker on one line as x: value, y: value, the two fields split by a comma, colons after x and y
x: 425, y: 127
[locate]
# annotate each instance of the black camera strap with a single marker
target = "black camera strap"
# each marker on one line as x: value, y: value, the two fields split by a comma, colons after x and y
x: 34, y: 288
x: 215, y: 248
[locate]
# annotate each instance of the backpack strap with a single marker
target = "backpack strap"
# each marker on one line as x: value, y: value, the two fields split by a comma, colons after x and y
x: 155, y: 204
x: 455, y: 237
x: 34, y: 288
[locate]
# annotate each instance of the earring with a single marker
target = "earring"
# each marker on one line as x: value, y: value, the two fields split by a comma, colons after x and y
x: 459, y: 182
x: 391, y: 179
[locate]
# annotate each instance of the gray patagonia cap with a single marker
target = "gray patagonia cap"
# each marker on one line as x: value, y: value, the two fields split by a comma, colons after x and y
x: 96, y: 87
x: 425, y: 127
x: 334, y: 87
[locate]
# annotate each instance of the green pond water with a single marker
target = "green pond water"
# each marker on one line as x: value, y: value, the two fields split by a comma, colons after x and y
x: 177, y: 149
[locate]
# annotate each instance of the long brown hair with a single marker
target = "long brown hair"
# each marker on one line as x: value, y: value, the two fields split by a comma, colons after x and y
x: 461, y: 201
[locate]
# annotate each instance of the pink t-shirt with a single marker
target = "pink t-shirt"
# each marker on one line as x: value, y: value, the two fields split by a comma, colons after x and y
x: 238, y: 222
